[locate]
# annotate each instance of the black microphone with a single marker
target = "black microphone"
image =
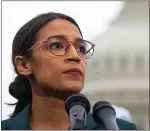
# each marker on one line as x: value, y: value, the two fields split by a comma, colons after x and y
x: 104, y: 113
x: 77, y: 106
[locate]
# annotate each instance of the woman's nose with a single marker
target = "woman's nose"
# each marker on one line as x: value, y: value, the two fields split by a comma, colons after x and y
x: 72, y: 55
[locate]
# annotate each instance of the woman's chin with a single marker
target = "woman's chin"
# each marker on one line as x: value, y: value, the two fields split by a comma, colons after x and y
x: 74, y: 87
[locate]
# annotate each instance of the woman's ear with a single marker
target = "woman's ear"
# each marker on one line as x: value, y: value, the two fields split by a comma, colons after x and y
x: 23, y: 66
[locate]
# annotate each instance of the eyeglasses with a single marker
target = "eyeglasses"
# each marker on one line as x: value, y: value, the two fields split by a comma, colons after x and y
x: 59, y: 46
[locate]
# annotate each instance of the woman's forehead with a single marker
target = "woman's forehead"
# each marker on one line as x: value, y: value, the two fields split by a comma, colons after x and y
x: 59, y: 27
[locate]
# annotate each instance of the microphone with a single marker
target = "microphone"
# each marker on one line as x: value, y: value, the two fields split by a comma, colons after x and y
x: 104, y: 113
x: 77, y: 106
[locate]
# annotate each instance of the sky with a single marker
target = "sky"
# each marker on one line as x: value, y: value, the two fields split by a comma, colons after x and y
x: 92, y: 17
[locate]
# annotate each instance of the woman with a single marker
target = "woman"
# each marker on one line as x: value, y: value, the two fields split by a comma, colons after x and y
x: 49, y: 56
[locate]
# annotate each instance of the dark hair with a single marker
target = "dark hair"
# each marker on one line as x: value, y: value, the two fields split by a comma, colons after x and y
x: 20, y: 88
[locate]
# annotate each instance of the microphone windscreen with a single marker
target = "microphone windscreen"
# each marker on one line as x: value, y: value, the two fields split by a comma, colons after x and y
x: 77, y: 99
x: 104, y: 113
x: 101, y: 104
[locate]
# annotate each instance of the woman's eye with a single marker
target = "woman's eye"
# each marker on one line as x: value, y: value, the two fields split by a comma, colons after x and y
x: 82, y: 49
x: 56, y: 45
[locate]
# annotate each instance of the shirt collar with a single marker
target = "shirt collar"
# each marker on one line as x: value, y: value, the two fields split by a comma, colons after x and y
x: 21, y: 121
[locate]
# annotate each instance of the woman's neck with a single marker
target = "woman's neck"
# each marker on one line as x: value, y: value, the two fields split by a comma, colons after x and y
x: 48, y: 112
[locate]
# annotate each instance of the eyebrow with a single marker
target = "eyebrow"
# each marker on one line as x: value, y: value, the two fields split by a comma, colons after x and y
x: 64, y: 37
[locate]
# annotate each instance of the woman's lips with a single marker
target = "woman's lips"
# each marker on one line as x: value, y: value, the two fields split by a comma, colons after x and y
x: 73, y: 71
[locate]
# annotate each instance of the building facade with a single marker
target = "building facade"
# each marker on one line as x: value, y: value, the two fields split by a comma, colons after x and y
x: 119, y: 70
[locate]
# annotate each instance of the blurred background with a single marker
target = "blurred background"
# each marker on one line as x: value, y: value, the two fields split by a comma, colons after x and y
x: 119, y: 69
x: 118, y: 72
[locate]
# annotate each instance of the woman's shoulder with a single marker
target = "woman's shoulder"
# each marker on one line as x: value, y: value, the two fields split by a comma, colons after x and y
x: 4, y: 124
x: 18, y: 122
x: 122, y: 124
x: 125, y: 125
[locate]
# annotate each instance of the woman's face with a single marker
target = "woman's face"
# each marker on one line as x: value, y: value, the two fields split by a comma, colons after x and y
x: 49, y: 70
